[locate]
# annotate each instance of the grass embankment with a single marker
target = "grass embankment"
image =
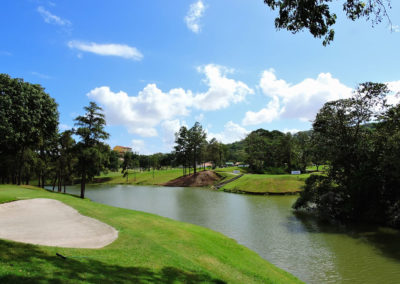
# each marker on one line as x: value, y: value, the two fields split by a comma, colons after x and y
x: 267, y: 184
x: 149, y: 249
x: 140, y: 178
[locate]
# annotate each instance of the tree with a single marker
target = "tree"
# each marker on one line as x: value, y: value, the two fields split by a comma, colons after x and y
x: 67, y: 159
x: 114, y: 161
x: 214, y: 152
x: 91, y: 151
x: 317, y: 17
x: 131, y: 161
x: 356, y: 187
x: 182, y: 148
x: 196, y: 140
x: 28, y: 121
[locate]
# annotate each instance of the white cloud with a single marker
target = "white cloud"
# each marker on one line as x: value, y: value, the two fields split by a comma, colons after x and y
x: 51, y: 18
x: 195, y: 13
x: 199, y: 117
x: 169, y: 128
x: 138, y: 146
x: 64, y: 127
x: 394, y: 97
x: 300, y: 101
x: 142, y: 113
x: 271, y: 112
x: 232, y: 132
x: 395, y: 28
x: 291, y: 130
x: 110, y: 49
x: 394, y: 86
x: 222, y: 91
x: 41, y: 75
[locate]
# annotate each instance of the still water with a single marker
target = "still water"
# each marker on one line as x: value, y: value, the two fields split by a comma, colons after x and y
x: 313, y: 252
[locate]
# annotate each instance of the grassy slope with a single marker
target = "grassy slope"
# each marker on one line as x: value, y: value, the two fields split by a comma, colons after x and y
x: 254, y: 183
x: 142, y: 178
x: 149, y: 249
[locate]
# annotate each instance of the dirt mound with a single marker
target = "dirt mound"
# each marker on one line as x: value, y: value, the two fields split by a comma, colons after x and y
x: 202, y: 178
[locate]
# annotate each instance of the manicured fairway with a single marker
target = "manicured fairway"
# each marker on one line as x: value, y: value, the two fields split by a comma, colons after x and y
x: 140, y: 178
x: 272, y: 184
x: 149, y: 249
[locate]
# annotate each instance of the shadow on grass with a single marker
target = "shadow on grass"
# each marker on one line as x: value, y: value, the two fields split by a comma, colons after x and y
x: 22, y: 263
x: 101, y: 179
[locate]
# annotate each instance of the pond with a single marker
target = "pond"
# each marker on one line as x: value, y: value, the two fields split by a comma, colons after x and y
x: 314, y: 252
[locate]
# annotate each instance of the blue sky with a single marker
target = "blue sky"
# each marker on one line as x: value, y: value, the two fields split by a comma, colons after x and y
x: 155, y: 65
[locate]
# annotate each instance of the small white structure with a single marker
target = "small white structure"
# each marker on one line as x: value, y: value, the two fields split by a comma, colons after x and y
x: 296, y: 172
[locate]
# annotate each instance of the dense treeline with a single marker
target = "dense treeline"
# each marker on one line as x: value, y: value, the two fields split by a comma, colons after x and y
x: 28, y: 130
x: 360, y: 137
x: 357, y: 138
x: 31, y: 146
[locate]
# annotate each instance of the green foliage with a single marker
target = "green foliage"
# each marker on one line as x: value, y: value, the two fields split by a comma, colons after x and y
x: 268, y: 151
x: 28, y: 128
x: 114, y: 161
x: 190, y: 146
x: 363, y: 177
x: 317, y: 16
x: 92, y: 153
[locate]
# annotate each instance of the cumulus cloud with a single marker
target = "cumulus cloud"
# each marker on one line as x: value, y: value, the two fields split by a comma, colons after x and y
x: 108, y: 49
x: 271, y: 112
x: 138, y: 146
x: 169, y: 128
x: 394, y: 97
x: 51, y: 18
x: 195, y: 13
x: 222, y: 91
x: 141, y: 114
x: 300, y: 101
x: 232, y: 132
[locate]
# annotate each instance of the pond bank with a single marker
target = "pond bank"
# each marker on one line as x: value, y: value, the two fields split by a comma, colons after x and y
x: 149, y: 248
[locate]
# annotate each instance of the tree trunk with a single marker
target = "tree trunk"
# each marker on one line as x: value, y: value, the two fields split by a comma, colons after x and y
x: 54, y: 182
x: 83, y: 183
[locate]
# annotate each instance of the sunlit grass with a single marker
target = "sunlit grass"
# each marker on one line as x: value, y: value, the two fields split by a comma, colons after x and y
x: 149, y: 249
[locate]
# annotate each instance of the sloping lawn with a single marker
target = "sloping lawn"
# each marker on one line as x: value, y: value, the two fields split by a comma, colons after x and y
x: 264, y: 183
x: 149, y: 249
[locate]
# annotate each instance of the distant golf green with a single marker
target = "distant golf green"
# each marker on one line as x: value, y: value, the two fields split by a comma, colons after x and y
x: 149, y: 249
x: 267, y: 184
x: 139, y: 177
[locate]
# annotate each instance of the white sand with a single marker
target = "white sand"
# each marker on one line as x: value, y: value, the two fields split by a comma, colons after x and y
x: 52, y: 223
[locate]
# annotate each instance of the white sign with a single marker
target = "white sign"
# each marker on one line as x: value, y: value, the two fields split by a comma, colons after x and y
x: 296, y: 172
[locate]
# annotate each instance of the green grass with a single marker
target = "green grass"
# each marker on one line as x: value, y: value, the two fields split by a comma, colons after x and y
x: 231, y: 169
x: 263, y: 183
x: 142, y: 178
x: 320, y: 168
x: 149, y: 249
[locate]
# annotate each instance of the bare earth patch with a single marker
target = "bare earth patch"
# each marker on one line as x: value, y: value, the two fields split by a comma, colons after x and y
x: 50, y: 222
x: 201, y: 178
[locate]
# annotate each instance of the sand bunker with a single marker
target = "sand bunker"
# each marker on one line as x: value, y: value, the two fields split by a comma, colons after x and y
x: 52, y: 223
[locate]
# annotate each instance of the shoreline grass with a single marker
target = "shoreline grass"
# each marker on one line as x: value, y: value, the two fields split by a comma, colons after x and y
x: 149, y: 249
x: 267, y: 184
x: 139, y: 178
